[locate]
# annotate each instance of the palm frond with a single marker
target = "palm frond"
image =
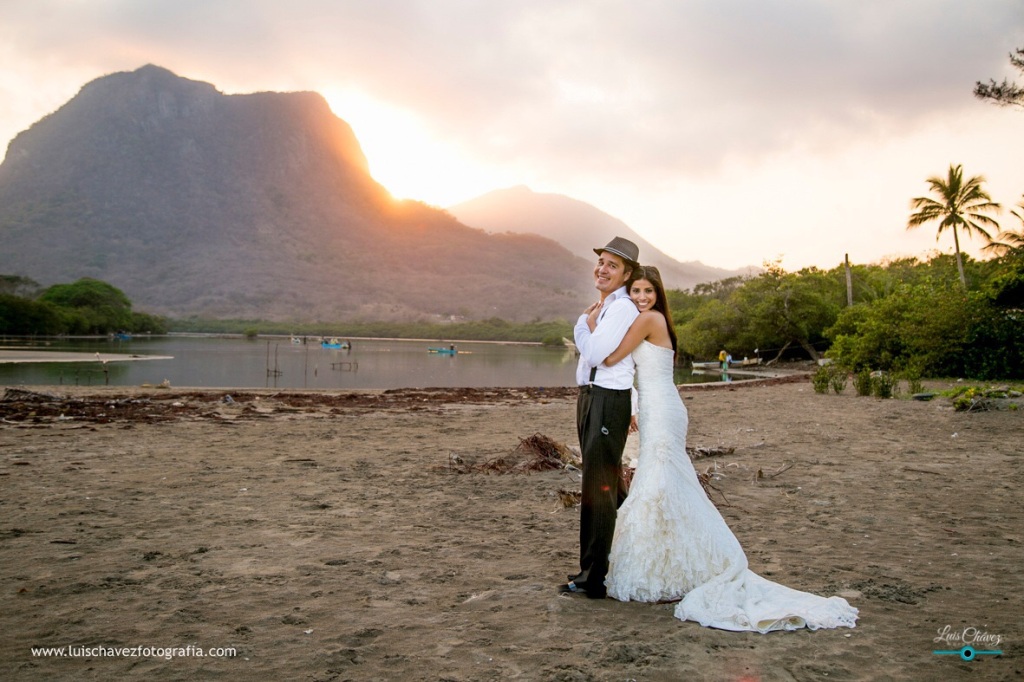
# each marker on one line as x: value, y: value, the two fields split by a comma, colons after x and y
x: 1006, y: 242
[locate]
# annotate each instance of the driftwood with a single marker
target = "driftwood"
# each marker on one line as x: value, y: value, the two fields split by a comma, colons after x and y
x: 548, y: 453
x: 22, y: 396
x: 705, y: 477
x: 569, y: 498
x: 709, y: 451
x: 535, y: 453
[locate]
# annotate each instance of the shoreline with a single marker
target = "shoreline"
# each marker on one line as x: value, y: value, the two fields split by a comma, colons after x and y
x: 47, y: 340
x: 779, y: 379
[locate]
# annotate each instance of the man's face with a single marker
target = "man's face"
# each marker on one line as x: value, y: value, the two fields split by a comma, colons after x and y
x: 611, y: 272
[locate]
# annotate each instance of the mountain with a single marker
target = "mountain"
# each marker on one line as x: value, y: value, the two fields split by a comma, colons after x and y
x: 577, y: 226
x: 194, y: 202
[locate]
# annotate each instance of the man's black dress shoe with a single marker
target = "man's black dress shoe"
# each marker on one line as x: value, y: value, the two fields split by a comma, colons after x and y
x: 573, y: 588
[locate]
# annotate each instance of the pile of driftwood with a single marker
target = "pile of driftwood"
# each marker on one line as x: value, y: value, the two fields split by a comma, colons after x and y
x: 22, y: 395
x: 569, y: 498
x: 535, y: 453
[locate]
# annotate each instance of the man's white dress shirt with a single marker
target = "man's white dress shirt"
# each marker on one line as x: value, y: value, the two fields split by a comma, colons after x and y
x: 617, y: 314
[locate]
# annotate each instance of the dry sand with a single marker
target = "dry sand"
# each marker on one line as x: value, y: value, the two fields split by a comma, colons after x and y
x: 327, y: 537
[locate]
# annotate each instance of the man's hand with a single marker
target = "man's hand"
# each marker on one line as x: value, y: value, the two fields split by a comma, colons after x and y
x: 634, y: 424
x: 592, y: 311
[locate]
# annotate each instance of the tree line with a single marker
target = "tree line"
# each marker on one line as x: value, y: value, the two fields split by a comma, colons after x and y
x: 909, y: 316
x: 85, y: 307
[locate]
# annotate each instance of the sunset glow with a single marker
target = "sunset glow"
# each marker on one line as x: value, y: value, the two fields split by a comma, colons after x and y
x: 407, y: 158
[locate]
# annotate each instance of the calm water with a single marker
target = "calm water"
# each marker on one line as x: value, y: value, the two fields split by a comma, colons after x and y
x: 242, y: 363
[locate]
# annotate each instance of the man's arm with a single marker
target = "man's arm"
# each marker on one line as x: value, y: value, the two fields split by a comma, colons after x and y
x: 595, y: 346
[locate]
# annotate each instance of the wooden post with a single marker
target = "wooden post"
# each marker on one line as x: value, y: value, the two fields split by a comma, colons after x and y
x: 849, y: 283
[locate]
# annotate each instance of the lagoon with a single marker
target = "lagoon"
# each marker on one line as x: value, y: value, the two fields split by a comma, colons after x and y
x: 213, y: 361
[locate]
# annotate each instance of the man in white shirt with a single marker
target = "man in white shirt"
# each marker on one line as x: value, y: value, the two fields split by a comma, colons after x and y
x: 603, y: 411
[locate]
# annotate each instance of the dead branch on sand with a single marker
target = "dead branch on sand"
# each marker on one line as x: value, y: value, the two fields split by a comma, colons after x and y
x: 548, y: 452
x: 569, y: 498
x: 705, y: 478
x: 709, y: 451
x: 761, y: 475
x: 535, y: 453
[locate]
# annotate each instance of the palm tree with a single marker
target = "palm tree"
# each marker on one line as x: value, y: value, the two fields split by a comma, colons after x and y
x: 961, y: 204
x: 1009, y: 241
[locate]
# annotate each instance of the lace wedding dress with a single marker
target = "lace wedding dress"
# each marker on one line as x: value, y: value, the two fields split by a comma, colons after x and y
x: 672, y: 543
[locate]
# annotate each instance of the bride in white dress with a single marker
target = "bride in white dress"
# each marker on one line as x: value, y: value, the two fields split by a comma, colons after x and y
x: 670, y: 541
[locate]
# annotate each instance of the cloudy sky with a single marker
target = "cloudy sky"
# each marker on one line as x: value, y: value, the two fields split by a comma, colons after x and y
x: 726, y: 131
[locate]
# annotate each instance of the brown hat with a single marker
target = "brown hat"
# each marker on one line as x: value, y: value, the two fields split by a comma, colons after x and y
x: 622, y: 247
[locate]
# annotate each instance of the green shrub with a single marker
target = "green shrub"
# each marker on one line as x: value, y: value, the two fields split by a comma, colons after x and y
x: 862, y: 382
x: 821, y: 378
x: 914, y: 384
x: 884, y: 385
x: 837, y: 379
x: 965, y: 399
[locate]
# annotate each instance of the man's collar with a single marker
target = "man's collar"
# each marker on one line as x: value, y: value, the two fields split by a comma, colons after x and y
x: 618, y: 293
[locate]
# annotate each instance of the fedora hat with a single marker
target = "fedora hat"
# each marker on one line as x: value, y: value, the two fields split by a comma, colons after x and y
x: 622, y: 247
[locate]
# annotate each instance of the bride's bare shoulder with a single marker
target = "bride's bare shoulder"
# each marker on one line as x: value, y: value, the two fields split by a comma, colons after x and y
x: 653, y: 318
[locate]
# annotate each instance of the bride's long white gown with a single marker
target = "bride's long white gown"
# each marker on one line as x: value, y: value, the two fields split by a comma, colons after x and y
x: 671, y: 542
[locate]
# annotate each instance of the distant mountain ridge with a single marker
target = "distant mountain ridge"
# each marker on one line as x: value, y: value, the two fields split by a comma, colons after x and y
x: 577, y: 226
x: 251, y: 206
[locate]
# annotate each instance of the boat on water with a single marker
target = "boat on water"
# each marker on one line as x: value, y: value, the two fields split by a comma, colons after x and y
x: 445, y: 351
x: 335, y: 344
x: 715, y: 364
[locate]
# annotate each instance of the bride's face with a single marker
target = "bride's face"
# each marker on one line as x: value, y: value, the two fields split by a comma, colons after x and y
x: 643, y: 294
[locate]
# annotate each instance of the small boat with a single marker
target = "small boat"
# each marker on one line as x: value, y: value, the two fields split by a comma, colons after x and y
x: 123, y: 336
x: 707, y: 365
x: 334, y: 344
x: 443, y: 351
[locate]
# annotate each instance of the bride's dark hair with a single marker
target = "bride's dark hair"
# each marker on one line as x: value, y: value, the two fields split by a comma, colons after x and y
x: 653, y: 275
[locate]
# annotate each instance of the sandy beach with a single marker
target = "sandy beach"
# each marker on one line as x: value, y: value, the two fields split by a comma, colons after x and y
x: 367, y: 536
